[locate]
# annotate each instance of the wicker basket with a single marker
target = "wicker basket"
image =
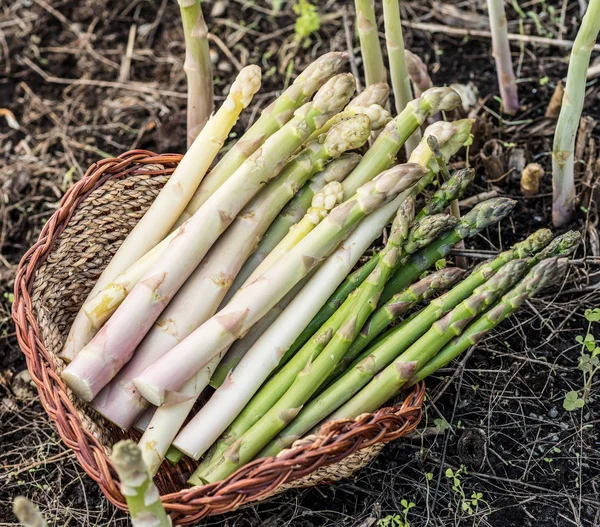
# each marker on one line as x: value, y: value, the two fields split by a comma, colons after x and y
x: 52, y: 282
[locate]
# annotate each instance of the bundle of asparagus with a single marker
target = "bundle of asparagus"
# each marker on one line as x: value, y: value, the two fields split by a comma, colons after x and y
x: 245, y: 277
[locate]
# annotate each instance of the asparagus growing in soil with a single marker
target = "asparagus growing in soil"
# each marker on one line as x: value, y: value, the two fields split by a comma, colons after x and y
x: 27, y: 513
x: 423, y: 336
x: 265, y: 355
x: 563, y: 185
x: 202, y: 293
x: 168, y: 205
x: 450, y: 190
x: 370, y: 48
x: 137, y: 486
x: 276, y: 115
x: 291, y: 214
x: 254, y: 300
x: 501, y: 52
x: 338, y: 338
x: 398, y: 74
x: 544, y: 274
x: 198, y: 68
x: 114, y: 344
x: 418, y: 73
x: 325, y: 200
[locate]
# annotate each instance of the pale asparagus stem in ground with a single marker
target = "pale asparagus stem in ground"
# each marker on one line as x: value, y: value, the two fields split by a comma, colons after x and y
x: 501, y: 52
x: 202, y: 293
x: 255, y: 299
x: 168, y: 419
x: 384, y: 150
x: 114, y: 344
x: 166, y: 208
x: 563, y: 164
x: 198, y: 68
x: 263, y: 357
x: 101, y: 307
x: 355, y: 311
x: 337, y: 170
x: 27, y: 513
x: 137, y: 486
x: 370, y: 47
x: 184, y: 181
x: 400, y: 80
x: 418, y: 73
x: 278, y: 113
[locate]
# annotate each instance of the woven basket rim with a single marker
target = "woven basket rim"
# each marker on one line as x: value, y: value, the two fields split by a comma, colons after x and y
x: 334, y: 442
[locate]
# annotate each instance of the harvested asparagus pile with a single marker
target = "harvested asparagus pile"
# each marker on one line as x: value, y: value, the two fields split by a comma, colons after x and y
x: 246, y: 277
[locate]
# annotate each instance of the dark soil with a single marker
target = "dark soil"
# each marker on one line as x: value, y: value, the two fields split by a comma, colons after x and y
x: 534, y: 463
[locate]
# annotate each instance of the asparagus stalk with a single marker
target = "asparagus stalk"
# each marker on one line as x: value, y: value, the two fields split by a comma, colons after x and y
x: 351, y: 317
x: 137, y: 486
x: 563, y: 200
x: 323, y: 202
x: 198, y: 68
x: 418, y: 73
x: 400, y: 79
x: 169, y: 204
x: 421, y: 342
x: 114, y: 344
x: 370, y: 48
x: 450, y: 190
x: 27, y: 513
x: 501, y: 52
x: 254, y: 300
x: 271, y: 120
x: 201, y: 295
x: 545, y: 273
x: 382, y: 153
x: 293, y: 212
x: 265, y: 355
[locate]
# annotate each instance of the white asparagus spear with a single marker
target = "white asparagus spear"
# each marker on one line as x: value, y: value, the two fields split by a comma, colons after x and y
x: 263, y: 357
x: 202, y: 293
x: 172, y: 199
x: 114, y: 344
x: 255, y: 299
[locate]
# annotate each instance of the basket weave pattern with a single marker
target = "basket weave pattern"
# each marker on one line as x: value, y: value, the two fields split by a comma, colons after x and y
x: 52, y: 282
